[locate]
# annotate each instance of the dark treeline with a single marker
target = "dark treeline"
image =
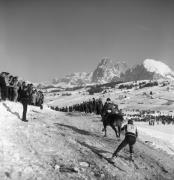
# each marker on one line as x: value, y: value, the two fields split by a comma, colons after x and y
x: 140, y: 85
x: 13, y: 89
x: 91, y: 106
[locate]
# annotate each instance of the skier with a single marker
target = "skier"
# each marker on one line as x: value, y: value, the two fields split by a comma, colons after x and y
x: 130, y: 138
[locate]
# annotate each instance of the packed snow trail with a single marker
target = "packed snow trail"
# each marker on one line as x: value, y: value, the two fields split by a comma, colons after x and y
x: 54, y: 145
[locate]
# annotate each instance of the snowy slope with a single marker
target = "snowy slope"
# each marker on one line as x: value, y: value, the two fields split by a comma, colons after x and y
x: 54, y: 145
x: 159, y: 67
x: 162, y: 100
x: 135, y: 98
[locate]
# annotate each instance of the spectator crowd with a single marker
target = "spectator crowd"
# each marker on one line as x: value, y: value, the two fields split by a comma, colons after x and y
x: 91, y: 106
x: 13, y: 89
x: 153, y: 117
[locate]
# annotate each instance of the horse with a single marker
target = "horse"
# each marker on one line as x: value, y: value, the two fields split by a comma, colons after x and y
x: 113, y: 120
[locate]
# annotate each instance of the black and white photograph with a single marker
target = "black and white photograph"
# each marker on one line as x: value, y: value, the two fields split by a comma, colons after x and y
x: 86, y: 89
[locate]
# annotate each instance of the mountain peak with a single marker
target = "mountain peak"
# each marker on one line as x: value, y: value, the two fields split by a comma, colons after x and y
x: 107, y: 70
x: 105, y: 62
x: 159, y: 68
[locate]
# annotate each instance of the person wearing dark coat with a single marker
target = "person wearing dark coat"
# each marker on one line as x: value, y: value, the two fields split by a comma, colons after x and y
x: 4, y: 85
x: 109, y: 108
x: 8, y: 79
x: 10, y: 87
x: 15, y: 89
x: 25, y: 99
x: 99, y: 107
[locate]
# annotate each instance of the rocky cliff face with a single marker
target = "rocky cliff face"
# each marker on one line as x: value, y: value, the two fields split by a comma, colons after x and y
x: 139, y: 72
x: 107, y: 70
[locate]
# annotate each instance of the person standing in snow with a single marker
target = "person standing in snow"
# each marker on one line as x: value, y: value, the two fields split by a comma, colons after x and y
x: 2, y: 86
x: 99, y: 106
x: 25, y: 99
x: 131, y: 135
x: 10, y: 87
x: 15, y: 88
x: 8, y: 79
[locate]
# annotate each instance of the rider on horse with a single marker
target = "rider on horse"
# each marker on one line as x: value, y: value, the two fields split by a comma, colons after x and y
x: 109, y: 108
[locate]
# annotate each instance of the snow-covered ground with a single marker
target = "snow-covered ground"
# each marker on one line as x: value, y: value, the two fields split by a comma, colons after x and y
x: 162, y: 100
x: 159, y: 136
x: 54, y: 145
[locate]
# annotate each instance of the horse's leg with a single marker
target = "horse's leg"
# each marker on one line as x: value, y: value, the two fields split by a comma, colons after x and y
x: 105, y: 131
x: 114, y: 128
x: 119, y: 130
x: 104, y: 128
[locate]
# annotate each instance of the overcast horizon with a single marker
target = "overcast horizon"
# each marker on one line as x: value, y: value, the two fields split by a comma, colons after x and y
x: 41, y: 40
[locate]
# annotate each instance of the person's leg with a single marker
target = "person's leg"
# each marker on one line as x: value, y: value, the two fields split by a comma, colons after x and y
x: 0, y: 93
x: 11, y: 93
x: 3, y: 93
x: 24, y: 111
x: 15, y: 94
x: 131, y: 142
x: 7, y: 92
x: 131, y: 151
x: 122, y: 145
